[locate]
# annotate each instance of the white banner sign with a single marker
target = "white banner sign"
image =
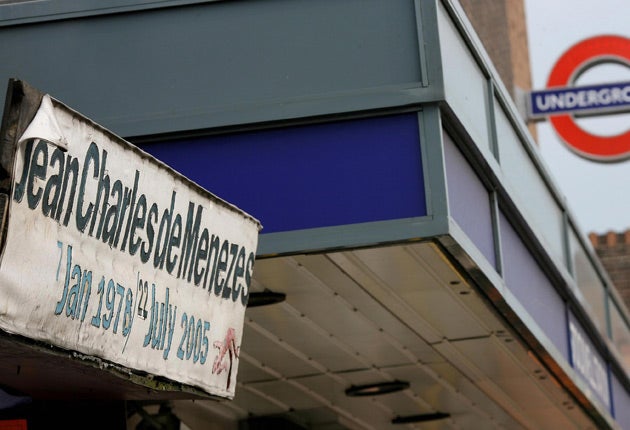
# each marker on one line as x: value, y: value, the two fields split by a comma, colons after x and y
x: 112, y: 254
x: 588, y: 364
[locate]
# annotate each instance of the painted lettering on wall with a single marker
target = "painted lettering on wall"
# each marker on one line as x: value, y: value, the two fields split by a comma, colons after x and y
x: 112, y: 254
x: 80, y: 193
x: 121, y: 216
x: 588, y: 364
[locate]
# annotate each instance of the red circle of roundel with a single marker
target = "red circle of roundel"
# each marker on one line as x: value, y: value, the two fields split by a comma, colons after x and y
x: 589, y: 51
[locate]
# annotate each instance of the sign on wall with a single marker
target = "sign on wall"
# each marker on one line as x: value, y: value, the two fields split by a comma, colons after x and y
x: 587, y: 99
x: 587, y: 362
x: 110, y: 253
x: 562, y: 100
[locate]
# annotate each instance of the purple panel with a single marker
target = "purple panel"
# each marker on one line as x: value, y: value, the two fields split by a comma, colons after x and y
x: 468, y: 200
x: 621, y: 404
x: 530, y: 286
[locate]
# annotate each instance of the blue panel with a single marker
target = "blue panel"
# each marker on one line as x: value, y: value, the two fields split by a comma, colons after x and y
x: 309, y: 176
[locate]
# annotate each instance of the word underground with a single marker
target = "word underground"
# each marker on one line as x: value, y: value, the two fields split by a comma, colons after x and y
x: 122, y: 217
x: 582, y: 99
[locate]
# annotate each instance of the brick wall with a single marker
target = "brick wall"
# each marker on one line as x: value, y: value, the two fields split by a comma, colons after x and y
x: 502, y: 28
x: 613, y: 250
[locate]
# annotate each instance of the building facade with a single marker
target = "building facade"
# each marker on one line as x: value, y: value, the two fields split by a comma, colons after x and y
x: 613, y: 249
x: 411, y: 234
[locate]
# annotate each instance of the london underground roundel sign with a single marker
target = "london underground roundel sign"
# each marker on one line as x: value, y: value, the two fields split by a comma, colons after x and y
x: 602, y: 98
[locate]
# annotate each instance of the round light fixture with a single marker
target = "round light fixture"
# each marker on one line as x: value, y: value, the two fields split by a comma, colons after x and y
x: 377, y: 388
x: 420, y: 418
x: 264, y: 298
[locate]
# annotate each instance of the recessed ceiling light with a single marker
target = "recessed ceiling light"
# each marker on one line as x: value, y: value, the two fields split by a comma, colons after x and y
x: 264, y: 298
x: 377, y: 388
x: 420, y: 418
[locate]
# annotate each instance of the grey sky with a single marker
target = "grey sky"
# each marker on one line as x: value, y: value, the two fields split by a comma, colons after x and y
x: 597, y: 193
